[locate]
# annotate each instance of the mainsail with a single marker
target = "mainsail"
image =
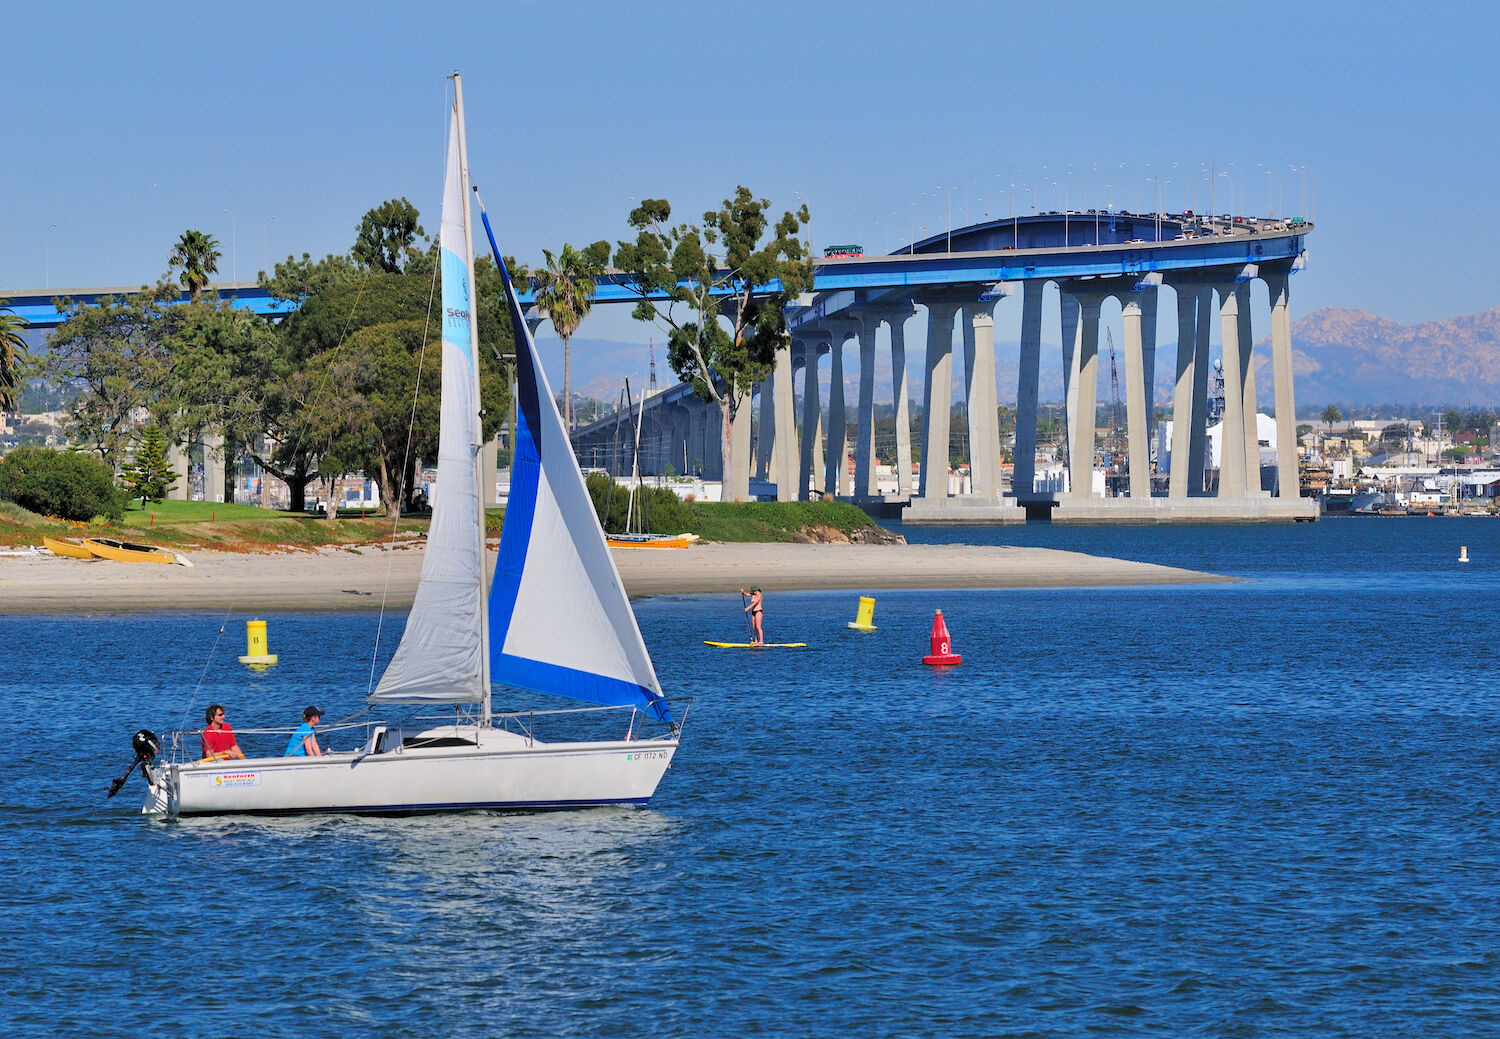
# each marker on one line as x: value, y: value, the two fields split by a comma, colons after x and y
x: 440, y: 658
x: 560, y: 621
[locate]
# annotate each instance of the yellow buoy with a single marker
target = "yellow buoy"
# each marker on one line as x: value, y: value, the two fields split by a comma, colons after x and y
x: 865, y: 619
x: 255, y: 645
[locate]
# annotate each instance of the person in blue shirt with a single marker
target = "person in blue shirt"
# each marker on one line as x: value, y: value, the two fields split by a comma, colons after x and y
x: 304, y: 742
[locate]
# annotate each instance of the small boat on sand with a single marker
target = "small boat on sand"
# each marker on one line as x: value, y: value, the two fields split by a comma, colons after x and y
x: 71, y: 549
x: 650, y: 540
x: 125, y: 552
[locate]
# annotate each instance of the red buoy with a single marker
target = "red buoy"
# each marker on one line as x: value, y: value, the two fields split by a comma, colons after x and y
x: 942, y: 645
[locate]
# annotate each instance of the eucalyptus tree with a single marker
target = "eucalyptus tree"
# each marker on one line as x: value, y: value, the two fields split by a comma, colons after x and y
x: 195, y: 256
x: 720, y: 293
x: 564, y: 291
x: 386, y: 236
x: 12, y: 354
x: 116, y: 359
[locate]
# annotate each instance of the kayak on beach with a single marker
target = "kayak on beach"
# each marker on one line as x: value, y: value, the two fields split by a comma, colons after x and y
x: 748, y: 645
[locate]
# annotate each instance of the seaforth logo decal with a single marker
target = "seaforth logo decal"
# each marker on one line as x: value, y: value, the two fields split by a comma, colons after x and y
x: 455, y: 312
x: 238, y: 779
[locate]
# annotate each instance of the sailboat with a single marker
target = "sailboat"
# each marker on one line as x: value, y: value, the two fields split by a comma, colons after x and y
x: 555, y: 619
x: 635, y: 538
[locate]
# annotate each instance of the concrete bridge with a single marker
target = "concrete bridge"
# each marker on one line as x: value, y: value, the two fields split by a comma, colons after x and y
x: 959, y: 278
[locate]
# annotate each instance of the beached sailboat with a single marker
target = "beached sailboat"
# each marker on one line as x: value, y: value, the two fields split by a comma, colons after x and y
x: 67, y: 548
x: 127, y: 552
x: 555, y: 620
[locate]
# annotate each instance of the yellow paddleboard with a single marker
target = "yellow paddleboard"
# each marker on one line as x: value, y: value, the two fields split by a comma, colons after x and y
x: 746, y: 645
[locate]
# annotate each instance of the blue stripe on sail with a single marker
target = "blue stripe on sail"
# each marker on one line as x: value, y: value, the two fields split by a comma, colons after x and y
x: 580, y: 685
x: 520, y: 507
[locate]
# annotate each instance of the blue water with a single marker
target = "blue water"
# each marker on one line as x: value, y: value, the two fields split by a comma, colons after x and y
x: 1256, y: 808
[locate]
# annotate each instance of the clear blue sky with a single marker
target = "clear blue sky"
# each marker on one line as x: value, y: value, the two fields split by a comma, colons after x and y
x: 129, y: 123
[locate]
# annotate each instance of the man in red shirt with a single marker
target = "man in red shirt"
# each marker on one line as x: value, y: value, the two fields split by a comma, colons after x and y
x: 218, y: 738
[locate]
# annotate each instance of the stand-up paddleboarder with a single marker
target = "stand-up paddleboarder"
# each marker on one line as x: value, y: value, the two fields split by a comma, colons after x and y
x: 754, y: 609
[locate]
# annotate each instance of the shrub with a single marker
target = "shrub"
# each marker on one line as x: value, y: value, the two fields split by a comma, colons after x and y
x: 664, y: 511
x: 67, y: 484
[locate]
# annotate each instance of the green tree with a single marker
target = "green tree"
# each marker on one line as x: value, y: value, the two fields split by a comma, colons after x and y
x: 12, y: 353
x: 196, y: 256
x: 150, y: 475
x: 356, y: 374
x: 114, y: 357
x: 386, y: 236
x: 67, y: 484
x: 720, y: 294
x: 283, y: 431
x: 213, y: 385
x: 565, y: 293
x: 1331, y: 414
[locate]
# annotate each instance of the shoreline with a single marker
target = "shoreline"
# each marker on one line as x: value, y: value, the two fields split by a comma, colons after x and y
x: 371, y: 578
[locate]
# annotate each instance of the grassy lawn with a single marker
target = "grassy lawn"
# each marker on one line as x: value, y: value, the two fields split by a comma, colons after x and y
x: 250, y: 528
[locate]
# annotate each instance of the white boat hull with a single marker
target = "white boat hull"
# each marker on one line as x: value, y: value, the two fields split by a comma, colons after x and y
x: 504, y: 771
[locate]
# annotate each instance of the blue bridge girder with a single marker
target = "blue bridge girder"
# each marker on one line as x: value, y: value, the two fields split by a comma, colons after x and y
x: 1058, y: 245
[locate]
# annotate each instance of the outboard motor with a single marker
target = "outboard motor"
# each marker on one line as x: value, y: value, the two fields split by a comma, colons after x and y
x: 146, y: 747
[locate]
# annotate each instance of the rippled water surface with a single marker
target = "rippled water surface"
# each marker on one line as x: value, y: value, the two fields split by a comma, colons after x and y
x: 1261, y: 807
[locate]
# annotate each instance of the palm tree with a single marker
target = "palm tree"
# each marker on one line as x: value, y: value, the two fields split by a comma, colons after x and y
x: 565, y: 293
x: 198, y: 256
x: 12, y: 349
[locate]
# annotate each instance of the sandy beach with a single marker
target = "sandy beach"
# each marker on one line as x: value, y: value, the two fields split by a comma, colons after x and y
x: 366, y: 578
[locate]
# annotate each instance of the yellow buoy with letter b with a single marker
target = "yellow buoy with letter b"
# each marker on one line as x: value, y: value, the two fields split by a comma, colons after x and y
x: 255, y: 645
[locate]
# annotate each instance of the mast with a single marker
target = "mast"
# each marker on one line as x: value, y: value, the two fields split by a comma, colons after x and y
x: 476, y: 448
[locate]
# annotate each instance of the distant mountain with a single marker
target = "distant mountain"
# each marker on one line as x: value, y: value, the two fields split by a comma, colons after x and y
x: 1349, y: 357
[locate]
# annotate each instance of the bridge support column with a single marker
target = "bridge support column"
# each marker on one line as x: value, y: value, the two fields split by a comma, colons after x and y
x: 182, y: 466
x: 1187, y: 400
x: 488, y: 471
x: 766, y: 438
x: 938, y: 398
x: 981, y: 396
x: 1148, y: 298
x: 1198, y: 460
x: 1135, y: 403
x: 1288, y: 483
x: 1069, y: 313
x: 736, y: 484
x: 1023, y: 477
x: 1247, y: 396
x: 901, y: 398
x: 784, y: 437
x: 864, y: 445
x: 1083, y: 394
x: 812, y: 417
x: 1232, y: 429
x: 213, y: 468
x: 836, y: 458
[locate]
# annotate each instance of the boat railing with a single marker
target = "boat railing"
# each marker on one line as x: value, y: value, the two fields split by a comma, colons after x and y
x: 185, y: 745
x: 524, y: 723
